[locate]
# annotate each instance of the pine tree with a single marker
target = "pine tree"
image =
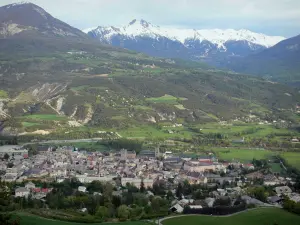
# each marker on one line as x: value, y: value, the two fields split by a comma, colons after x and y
x: 142, y: 187
x: 179, y: 191
x: 5, y: 218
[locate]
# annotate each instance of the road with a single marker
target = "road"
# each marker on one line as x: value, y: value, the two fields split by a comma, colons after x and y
x: 65, y: 141
x: 281, y: 163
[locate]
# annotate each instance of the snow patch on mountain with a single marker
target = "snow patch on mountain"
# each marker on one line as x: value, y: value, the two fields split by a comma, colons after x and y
x: 17, y: 4
x: 142, y: 28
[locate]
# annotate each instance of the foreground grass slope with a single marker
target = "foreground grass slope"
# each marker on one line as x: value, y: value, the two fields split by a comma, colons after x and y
x: 34, y: 220
x: 264, y: 216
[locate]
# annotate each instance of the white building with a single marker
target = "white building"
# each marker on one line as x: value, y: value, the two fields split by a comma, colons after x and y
x: 82, y: 188
x: 177, y: 208
x: 29, y: 185
x: 89, y: 179
x: 22, y: 192
x: 137, y: 182
x: 13, y: 150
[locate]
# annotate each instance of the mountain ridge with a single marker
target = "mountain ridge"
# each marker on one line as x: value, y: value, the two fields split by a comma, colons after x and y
x: 206, y: 45
x: 215, y: 36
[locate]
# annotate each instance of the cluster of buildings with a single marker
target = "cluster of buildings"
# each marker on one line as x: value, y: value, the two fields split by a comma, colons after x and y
x: 127, y: 167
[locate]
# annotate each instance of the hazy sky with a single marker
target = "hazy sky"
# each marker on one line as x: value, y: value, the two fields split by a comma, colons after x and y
x: 274, y: 17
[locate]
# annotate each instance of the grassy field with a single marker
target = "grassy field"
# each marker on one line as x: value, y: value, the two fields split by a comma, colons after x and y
x: 51, y: 117
x: 292, y: 158
x: 276, y: 168
x: 265, y: 216
x: 29, y: 124
x: 166, y: 99
x: 34, y: 220
x: 242, y: 155
x: 3, y: 94
x: 243, y: 130
x: 144, y: 132
x: 94, y: 146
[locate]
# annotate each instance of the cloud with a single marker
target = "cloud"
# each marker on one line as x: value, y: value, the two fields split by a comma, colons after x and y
x: 275, y: 17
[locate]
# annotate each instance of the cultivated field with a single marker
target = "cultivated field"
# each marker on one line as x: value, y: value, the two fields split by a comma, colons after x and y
x: 242, y: 155
x: 292, y: 158
x: 45, y: 117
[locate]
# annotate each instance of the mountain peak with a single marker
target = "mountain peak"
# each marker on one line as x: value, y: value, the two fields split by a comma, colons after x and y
x: 141, y: 22
x: 133, y: 22
x: 18, y: 4
x: 144, y: 23
x: 25, y: 18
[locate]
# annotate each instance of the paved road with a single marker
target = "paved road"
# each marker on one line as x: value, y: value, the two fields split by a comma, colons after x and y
x: 65, y: 141
x: 182, y: 215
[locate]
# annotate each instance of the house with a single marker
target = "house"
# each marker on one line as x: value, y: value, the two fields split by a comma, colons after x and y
x: 210, y: 202
x: 41, y: 190
x: 254, y: 175
x: 283, y: 190
x: 13, y: 150
x: 221, y: 192
x: 254, y: 201
x: 117, y: 193
x: 274, y: 199
x: 83, y: 210
x: 294, y: 197
x: 271, y: 180
x: 196, y: 178
x: 82, y: 189
x: 205, y: 159
x: 137, y: 182
x: 22, y: 192
x: 125, y: 154
x: 149, y: 193
x: 183, y: 202
x: 249, y: 166
x: 30, y: 185
x: 239, y: 141
x: 147, y: 154
x: 177, y: 208
x: 196, y: 166
x: 97, y: 194
x: 196, y: 206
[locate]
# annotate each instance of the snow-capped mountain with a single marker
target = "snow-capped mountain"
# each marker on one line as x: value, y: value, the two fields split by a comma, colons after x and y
x: 143, y: 36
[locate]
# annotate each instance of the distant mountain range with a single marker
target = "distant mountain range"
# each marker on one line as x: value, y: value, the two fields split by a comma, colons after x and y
x: 209, y: 45
x: 48, y: 67
x: 280, y: 62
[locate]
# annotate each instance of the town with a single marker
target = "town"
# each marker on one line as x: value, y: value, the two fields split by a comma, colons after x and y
x: 183, y: 184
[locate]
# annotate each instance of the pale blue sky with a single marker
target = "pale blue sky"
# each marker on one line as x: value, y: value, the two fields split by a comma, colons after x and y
x: 273, y: 17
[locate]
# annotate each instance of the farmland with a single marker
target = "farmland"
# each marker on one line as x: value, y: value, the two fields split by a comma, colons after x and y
x: 167, y: 99
x: 242, y: 155
x: 258, y: 217
x: 292, y: 158
x: 47, y: 117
